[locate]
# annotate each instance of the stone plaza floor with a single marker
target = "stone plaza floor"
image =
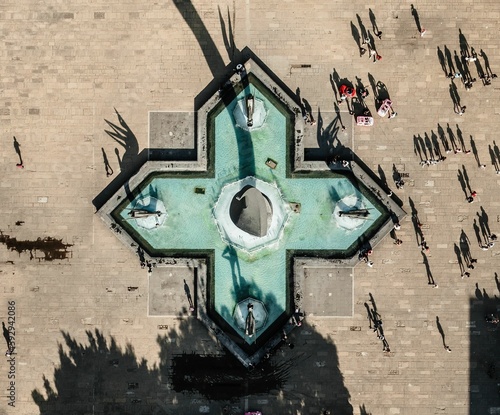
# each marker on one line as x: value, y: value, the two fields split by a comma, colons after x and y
x: 78, y: 77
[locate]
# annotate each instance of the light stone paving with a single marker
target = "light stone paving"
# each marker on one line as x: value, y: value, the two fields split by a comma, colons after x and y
x: 64, y: 69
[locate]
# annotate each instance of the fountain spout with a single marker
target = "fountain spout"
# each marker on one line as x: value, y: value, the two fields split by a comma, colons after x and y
x: 250, y: 322
x: 250, y: 108
x: 356, y: 213
x: 143, y: 213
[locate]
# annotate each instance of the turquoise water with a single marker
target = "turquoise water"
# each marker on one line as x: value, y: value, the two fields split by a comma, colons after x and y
x: 190, y: 224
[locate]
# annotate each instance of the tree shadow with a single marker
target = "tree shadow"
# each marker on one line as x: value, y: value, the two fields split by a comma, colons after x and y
x: 92, y: 377
x: 99, y: 376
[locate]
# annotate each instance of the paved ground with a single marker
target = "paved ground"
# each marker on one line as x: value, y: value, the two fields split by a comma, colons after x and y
x: 84, y: 337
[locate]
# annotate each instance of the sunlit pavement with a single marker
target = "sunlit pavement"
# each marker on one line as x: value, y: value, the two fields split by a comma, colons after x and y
x: 66, y: 68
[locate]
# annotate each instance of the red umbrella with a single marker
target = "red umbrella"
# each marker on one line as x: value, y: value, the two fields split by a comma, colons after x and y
x: 347, y: 91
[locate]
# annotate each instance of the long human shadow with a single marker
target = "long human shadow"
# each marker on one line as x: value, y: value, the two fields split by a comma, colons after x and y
x: 493, y: 157
x: 416, y: 17
x: 466, y: 178
x: 435, y: 144
x: 484, y: 218
x: 430, y: 278
x: 454, y: 95
x: 370, y: 317
x: 464, y: 243
x: 460, y: 138
x: 428, y: 144
x: 357, y: 37
x: 458, y: 63
x: 419, y: 147
x: 453, y: 139
x: 464, y: 44
x: 441, y: 332
x: 373, y: 21
x: 442, y: 137
x: 17, y: 149
x: 479, y: 68
x: 487, y: 66
x: 417, y: 225
x: 100, y: 376
x: 442, y: 61
x: 107, y: 167
x: 458, y: 253
x: 483, y: 227
x: 462, y: 182
x: 449, y: 59
x: 477, y: 233
x: 383, y: 178
x: 362, y: 28
x: 474, y: 151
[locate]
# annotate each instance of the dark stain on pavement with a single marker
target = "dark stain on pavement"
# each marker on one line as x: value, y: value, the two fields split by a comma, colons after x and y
x: 50, y: 248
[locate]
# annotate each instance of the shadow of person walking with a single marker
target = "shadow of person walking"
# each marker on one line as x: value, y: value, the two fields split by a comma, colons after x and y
x: 187, y: 291
x: 416, y: 17
x: 441, y: 332
x: 373, y: 21
x: 442, y: 61
x: 107, y: 166
x: 17, y: 148
x: 430, y: 278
